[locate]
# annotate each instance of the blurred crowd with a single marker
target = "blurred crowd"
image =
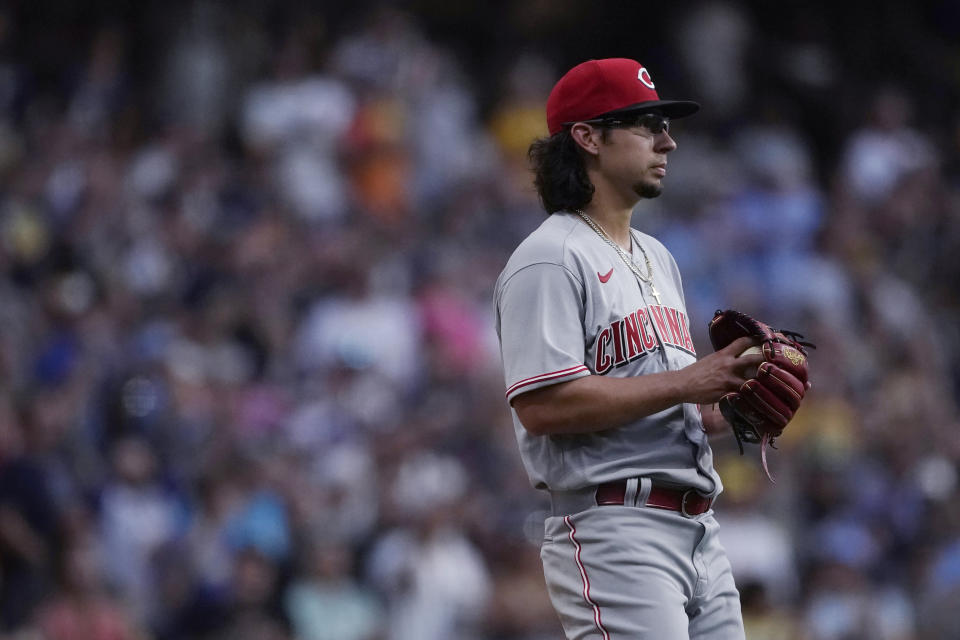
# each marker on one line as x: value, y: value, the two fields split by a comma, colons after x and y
x: 249, y: 385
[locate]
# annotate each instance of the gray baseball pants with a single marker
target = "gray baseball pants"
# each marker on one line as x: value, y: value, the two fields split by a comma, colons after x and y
x: 627, y: 572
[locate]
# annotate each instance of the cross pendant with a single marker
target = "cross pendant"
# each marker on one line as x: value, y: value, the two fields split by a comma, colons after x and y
x: 654, y: 292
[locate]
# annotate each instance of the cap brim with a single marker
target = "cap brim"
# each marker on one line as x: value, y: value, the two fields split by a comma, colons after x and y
x: 669, y: 108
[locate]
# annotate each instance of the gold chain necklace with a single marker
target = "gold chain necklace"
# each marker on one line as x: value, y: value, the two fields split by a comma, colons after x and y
x: 627, y: 260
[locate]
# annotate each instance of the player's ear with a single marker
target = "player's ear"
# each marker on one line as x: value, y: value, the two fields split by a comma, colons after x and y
x: 587, y: 138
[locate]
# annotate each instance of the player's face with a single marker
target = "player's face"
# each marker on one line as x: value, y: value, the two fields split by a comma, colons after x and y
x: 636, y: 156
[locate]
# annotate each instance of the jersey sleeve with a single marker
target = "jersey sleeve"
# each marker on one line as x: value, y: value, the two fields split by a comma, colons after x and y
x: 540, y: 311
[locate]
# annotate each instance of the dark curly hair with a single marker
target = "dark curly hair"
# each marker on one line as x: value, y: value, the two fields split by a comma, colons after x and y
x: 559, y: 173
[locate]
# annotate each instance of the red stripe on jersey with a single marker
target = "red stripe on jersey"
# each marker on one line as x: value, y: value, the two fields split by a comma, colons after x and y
x: 545, y: 376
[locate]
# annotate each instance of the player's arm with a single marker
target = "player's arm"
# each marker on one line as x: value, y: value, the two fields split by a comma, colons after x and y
x: 596, y: 403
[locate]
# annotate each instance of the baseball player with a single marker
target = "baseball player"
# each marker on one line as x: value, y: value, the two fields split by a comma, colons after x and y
x: 603, y: 380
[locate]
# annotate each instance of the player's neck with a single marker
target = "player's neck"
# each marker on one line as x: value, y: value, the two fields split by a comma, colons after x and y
x: 614, y: 221
x: 611, y: 207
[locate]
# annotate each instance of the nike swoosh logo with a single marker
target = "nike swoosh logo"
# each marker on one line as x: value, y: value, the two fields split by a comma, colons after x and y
x: 606, y: 277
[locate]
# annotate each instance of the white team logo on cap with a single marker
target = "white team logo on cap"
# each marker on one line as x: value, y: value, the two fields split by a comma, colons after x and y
x: 644, y: 76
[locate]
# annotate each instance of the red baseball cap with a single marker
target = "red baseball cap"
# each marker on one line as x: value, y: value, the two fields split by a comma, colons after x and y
x: 612, y: 86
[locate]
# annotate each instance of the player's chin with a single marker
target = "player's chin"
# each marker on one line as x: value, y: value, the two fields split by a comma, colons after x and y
x: 648, y: 189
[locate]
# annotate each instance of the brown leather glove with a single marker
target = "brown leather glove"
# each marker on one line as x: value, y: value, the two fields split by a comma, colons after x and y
x: 764, y: 404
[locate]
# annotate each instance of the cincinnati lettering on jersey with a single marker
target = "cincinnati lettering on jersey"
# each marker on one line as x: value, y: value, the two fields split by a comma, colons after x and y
x: 640, y: 333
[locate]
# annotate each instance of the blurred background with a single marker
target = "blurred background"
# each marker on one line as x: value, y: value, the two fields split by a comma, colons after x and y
x: 249, y: 383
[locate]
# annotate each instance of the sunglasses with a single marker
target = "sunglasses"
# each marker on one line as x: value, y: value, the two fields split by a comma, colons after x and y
x: 652, y: 122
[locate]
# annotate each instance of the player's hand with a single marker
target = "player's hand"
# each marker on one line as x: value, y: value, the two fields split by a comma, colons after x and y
x: 721, y: 372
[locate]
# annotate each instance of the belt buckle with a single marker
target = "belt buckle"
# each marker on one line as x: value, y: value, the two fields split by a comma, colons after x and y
x: 683, y: 503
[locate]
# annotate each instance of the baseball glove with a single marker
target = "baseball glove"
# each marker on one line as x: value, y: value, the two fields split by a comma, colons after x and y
x: 763, y: 406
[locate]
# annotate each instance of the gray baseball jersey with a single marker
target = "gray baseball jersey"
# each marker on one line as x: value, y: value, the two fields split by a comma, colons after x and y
x: 567, y: 306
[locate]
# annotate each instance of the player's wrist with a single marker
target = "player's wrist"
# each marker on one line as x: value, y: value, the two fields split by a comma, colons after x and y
x: 669, y: 388
x: 682, y: 388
